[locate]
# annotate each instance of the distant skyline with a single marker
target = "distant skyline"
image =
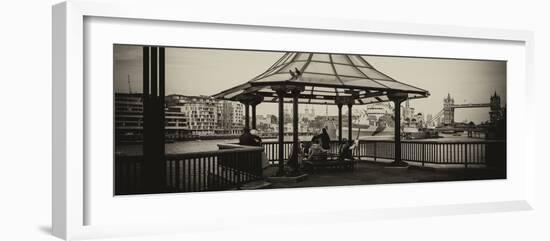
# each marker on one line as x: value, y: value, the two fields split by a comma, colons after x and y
x: 192, y: 71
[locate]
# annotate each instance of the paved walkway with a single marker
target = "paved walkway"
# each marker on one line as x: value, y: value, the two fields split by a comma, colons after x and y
x: 376, y: 173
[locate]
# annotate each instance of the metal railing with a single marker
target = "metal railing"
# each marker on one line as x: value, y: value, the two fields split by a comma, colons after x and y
x: 234, y: 165
x: 422, y: 152
x: 193, y: 172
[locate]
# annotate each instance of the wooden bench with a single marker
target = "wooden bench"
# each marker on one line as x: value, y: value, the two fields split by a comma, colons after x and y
x: 329, y: 161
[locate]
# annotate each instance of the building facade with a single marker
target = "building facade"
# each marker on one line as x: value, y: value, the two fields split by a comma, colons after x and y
x: 230, y: 117
x: 176, y: 125
x: 376, y: 111
x: 200, y: 113
x: 309, y: 113
x: 429, y: 121
x: 128, y: 117
x: 185, y: 117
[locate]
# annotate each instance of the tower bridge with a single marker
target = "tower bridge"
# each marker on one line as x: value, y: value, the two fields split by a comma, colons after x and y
x: 446, y: 117
x: 470, y: 105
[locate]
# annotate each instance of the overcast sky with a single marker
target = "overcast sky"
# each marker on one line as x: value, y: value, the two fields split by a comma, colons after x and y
x: 206, y: 72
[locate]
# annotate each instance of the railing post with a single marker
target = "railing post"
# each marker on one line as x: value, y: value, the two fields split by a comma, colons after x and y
x: 466, y: 155
x: 423, y: 153
x: 375, y: 151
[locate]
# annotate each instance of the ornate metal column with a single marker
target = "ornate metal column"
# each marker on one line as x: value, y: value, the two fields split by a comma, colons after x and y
x: 295, y: 139
x: 397, y: 99
x: 254, y: 116
x: 256, y: 100
x: 281, y: 118
x: 340, y: 123
x: 248, y: 101
x: 246, y: 115
x: 350, y: 125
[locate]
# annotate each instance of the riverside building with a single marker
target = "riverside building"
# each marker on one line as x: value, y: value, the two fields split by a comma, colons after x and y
x: 185, y: 117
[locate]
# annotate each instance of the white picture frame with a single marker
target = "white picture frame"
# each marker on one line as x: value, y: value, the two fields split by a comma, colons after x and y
x: 71, y: 110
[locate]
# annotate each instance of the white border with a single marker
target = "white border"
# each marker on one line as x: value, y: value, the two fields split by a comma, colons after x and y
x: 192, y: 209
x: 68, y: 103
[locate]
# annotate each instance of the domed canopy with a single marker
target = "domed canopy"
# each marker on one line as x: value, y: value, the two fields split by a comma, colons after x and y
x: 323, y: 79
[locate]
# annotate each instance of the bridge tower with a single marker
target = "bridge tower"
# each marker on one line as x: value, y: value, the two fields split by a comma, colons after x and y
x: 448, y: 110
x: 496, y: 110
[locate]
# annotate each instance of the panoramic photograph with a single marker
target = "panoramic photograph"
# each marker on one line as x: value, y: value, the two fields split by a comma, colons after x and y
x: 201, y: 119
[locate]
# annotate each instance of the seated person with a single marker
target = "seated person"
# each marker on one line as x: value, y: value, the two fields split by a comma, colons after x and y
x: 346, y: 149
x: 324, y: 139
x: 295, y: 161
x: 317, y: 153
x: 246, y: 138
x: 256, y: 137
x: 315, y: 137
x: 305, y: 148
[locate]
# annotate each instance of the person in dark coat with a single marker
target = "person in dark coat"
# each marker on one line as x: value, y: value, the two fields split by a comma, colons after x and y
x: 346, y: 149
x: 257, y: 138
x: 325, y: 139
x: 315, y: 137
x: 246, y: 138
x: 316, y: 152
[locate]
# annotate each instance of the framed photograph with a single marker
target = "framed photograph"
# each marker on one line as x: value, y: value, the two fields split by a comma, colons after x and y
x: 178, y: 121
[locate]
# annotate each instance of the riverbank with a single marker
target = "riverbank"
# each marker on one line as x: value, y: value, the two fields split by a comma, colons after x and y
x: 212, y: 145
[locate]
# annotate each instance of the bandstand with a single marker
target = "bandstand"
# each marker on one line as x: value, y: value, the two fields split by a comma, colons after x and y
x: 321, y: 79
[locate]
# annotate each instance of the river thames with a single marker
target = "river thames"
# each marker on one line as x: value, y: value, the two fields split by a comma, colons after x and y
x: 212, y: 145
